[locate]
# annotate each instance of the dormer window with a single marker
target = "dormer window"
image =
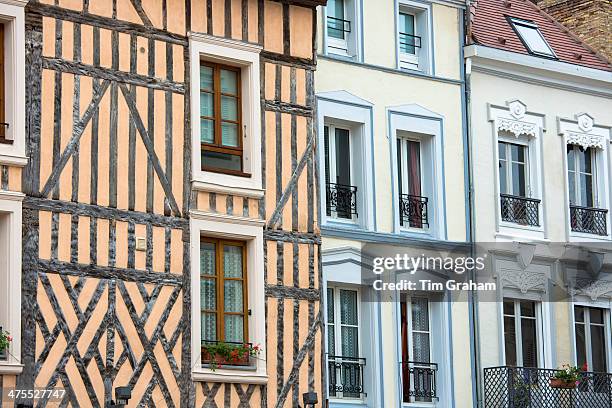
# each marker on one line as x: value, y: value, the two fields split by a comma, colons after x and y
x: 532, y: 38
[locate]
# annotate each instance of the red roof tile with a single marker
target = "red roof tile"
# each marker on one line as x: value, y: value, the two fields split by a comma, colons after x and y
x: 489, y: 27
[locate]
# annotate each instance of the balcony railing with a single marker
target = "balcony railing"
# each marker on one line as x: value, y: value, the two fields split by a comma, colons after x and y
x: 519, y: 387
x: 338, y: 25
x: 589, y: 220
x: 341, y: 200
x: 346, y: 377
x: 520, y: 210
x: 419, y: 381
x: 408, y: 41
x: 413, y: 211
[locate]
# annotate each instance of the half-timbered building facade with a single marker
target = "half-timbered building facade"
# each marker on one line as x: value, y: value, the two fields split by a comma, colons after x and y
x: 158, y: 195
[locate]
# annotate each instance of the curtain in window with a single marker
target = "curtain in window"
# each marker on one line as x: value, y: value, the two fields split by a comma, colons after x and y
x: 233, y: 293
x: 331, y: 335
x: 413, y: 151
x: 348, y: 321
x: 208, y: 291
x: 420, y: 328
x: 207, y: 127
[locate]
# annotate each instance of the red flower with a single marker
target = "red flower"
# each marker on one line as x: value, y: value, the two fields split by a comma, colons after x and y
x: 9, y: 338
x: 585, y: 367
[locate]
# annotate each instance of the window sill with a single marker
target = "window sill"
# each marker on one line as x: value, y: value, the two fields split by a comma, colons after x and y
x: 234, y: 375
x: 7, y: 368
x: 12, y: 159
x: 584, y: 237
x: 234, y: 189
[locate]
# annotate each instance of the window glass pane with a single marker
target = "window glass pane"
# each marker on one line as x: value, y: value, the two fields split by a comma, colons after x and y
x: 585, y: 161
x: 528, y: 309
x: 406, y: 35
x: 501, y: 148
x: 232, y: 261
x: 571, y: 179
x: 420, y: 314
x: 232, y: 296
x: 229, y: 108
x: 518, y: 179
x: 208, y: 292
x: 413, y: 165
x: 517, y: 153
x: 348, y: 307
x: 586, y: 190
x: 509, y: 307
x: 229, y: 82
x: 343, y: 157
x: 420, y: 347
x: 578, y: 313
x: 207, y: 258
x: 206, y: 104
x: 335, y: 23
x: 229, y: 134
x: 207, y: 131
x: 335, y: 8
x: 598, y: 349
x: 597, y: 316
x: 330, y: 305
x: 503, y: 177
x: 571, y: 158
x: 580, y: 344
x: 331, y: 339
x: 206, y: 78
x: 326, y: 142
x: 209, y: 327
x: 234, y: 328
x: 510, y: 340
x: 221, y: 160
x: 350, y: 342
x: 529, y: 343
x: 533, y: 39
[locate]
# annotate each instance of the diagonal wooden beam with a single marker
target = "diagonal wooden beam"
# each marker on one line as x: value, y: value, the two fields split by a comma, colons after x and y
x: 77, y: 132
x: 298, y: 360
x: 141, y: 13
x: 163, y: 180
x: 292, y: 185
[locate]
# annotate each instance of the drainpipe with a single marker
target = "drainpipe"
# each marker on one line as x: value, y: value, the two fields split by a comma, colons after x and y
x: 468, y: 174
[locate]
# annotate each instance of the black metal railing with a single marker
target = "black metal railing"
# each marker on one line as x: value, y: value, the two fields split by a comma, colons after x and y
x: 520, y: 387
x: 419, y: 381
x: 520, y: 210
x: 413, y: 211
x: 408, y: 40
x: 341, y: 200
x: 338, y: 25
x: 346, y: 377
x: 589, y: 220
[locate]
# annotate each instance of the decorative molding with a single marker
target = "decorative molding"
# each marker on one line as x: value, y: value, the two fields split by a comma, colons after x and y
x: 517, y: 127
x: 594, y: 289
x: 517, y: 109
x: 585, y: 122
x: 225, y: 42
x: 585, y: 140
x: 233, y: 219
x: 523, y: 280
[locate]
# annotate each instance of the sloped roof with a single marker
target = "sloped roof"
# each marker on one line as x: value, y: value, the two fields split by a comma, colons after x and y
x: 489, y: 26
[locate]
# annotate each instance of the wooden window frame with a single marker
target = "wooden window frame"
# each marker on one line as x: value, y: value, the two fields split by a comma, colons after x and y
x: 219, y: 287
x: 3, y: 125
x: 217, y: 145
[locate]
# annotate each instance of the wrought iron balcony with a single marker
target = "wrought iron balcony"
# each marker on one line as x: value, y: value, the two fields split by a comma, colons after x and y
x: 520, y: 387
x: 413, y: 211
x: 346, y: 377
x: 338, y: 25
x: 520, y: 210
x: 589, y: 220
x: 341, y: 200
x: 419, y: 381
x: 408, y: 40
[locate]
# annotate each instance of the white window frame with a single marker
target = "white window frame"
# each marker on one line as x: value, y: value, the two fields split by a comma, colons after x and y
x: 578, y: 179
x: 245, y: 56
x: 509, y: 177
x: 514, y: 124
x: 12, y: 16
x: 332, y: 125
x: 423, y: 27
x: 338, y: 331
x: 404, y: 171
x: 583, y: 129
x: 518, y: 329
x: 587, y: 334
x: 10, y: 276
x: 417, y: 120
x: 342, y: 108
x: 237, y: 228
x: 600, y: 303
x: 350, y: 47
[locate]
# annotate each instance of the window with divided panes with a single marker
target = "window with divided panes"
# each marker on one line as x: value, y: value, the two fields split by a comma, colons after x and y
x: 520, y: 333
x: 221, y: 118
x: 591, y: 340
x: 223, y: 294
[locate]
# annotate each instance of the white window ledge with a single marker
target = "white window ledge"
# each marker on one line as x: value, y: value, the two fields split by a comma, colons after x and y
x: 224, y: 189
x: 10, y: 368
x: 229, y: 376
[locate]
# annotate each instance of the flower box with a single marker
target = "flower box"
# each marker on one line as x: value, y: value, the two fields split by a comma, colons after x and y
x: 220, y: 360
x: 561, y: 383
x: 218, y: 354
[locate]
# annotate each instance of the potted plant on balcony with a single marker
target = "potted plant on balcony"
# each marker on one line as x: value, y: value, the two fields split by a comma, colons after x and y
x: 5, y: 342
x: 567, y: 377
x: 217, y: 354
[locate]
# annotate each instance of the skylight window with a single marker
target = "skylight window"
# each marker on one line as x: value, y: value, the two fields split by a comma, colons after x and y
x: 531, y: 36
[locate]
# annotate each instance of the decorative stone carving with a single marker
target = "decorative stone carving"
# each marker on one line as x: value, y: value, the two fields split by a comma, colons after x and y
x: 523, y: 280
x: 516, y: 127
x: 517, y: 109
x: 594, y: 289
x: 585, y: 122
x: 585, y: 140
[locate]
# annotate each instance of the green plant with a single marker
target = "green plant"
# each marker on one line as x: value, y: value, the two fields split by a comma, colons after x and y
x: 216, y: 354
x: 5, y: 340
x: 569, y: 373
